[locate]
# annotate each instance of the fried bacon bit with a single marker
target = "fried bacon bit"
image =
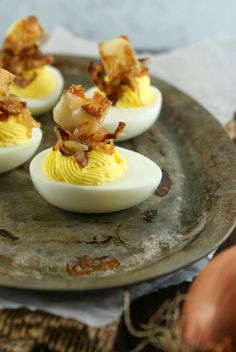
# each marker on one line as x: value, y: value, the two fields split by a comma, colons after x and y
x: 97, y: 106
x: 80, y: 124
x: 6, y: 78
x: 20, y: 50
x: 69, y: 147
x: 88, y: 265
x: 118, y: 57
x: 230, y: 128
x: 10, y: 105
x: 119, y: 67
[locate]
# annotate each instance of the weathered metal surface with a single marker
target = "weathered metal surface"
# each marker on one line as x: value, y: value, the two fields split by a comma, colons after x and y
x: 190, y: 214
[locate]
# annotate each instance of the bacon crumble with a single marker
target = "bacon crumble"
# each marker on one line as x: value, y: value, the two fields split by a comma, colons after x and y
x: 20, y: 50
x: 11, y: 105
x: 118, y: 68
x: 80, y: 127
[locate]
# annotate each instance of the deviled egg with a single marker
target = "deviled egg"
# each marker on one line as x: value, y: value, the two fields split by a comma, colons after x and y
x: 36, y: 81
x: 84, y: 171
x: 20, y: 134
x: 124, y: 80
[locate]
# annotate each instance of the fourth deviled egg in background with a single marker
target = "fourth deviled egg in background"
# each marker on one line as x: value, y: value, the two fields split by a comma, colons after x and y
x: 20, y: 134
x: 125, y: 81
x: 36, y: 81
x: 84, y: 171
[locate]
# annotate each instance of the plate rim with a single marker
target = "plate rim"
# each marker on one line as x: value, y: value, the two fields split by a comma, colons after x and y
x: 130, y: 278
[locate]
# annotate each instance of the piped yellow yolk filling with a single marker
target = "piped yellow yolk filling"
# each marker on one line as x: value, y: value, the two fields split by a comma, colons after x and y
x: 13, y: 132
x: 141, y: 96
x: 101, y: 168
x: 42, y: 86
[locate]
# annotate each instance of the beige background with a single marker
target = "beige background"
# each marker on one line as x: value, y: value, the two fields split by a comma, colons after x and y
x: 151, y: 24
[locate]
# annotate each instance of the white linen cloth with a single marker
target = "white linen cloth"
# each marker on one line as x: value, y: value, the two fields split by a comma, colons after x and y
x: 205, y: 71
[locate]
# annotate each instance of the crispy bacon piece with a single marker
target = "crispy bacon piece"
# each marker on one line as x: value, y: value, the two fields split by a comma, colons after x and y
x: 6, y: 78
x: 117, y: 132
x: 230, y: 128
x: 69, y: 146
x: 118, y: 57
x: 75, y: 109
x: 80, y: 124
x: 119, y: 67
x: 24, y: 34
x: 20, y: 50
x: 11, y: 105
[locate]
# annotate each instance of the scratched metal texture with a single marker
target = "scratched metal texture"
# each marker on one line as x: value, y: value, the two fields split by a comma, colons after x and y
x: 190, y: 214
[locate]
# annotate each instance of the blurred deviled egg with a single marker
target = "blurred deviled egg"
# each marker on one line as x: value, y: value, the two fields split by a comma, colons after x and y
x: 20, y: 134
x: 125, y: 81
x: 84, y: 171
x: 36, y: 81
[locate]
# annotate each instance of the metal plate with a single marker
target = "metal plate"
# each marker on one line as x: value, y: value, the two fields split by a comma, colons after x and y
x: 190, y: 214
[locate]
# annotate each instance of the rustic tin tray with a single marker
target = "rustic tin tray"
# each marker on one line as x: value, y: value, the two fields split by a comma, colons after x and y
x: 190, y: 214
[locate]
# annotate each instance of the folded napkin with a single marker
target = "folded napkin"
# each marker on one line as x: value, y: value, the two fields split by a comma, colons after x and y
x: 205, y: 71
x: 62, y: 41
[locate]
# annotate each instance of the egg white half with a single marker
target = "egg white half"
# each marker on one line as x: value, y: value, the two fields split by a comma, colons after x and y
x: 137, y: 119
x: 13, y: 156
x: 41, y: 105
x: 136, y: 184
